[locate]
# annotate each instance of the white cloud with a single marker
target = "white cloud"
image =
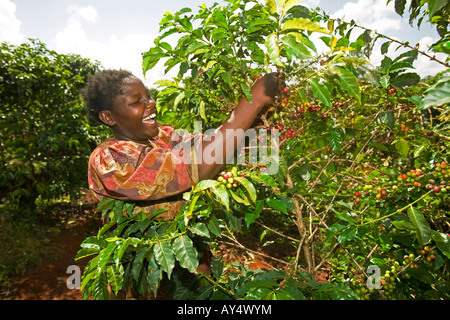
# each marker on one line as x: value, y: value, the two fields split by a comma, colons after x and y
x: 9, y: 24
x: 372, y: 14
x: 113, y: 52
x: 88, y: 13
x: 425, y: 66
x: 310, y: 3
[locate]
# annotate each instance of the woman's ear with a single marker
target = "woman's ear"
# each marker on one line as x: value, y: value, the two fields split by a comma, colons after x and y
x: 107, y: 118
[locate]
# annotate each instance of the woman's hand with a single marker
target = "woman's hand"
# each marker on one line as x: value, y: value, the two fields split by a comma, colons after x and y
x: 265, y: 89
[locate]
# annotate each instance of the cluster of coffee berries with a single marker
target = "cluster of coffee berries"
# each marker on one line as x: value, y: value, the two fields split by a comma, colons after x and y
x: 404, y: 128
x: 427, y: 253
x: 227, y: 178
x: 442, y: 187
x: 287, y: 133
x: 388, y: 280
x: 363, y: 293
x: 441, y: 173
x: 441, y: 169
x: 384, y: 138
x: 412, y: 177
x: 408, y: 260
x: 391, y: 91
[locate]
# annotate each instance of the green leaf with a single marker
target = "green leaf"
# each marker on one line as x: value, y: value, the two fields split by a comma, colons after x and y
x: 115, y: 278
x: 138, y: 263
x: 164, y: 256
x: 151, y: 58
x: 403, y: 225
x: 247, y: 91
x: 345, y: 217
x: 201, y: 109
x: 221, y: 192
x: 399, y: 66
x: 423, y: 230
x: 385, y: 47
x: 185, y: 253
x: 118, y: 210
x: 436, y: 97
x: 320, y: 91
x: 154, y: 274
x: 349, y: 83
x: 385, y: 81
x: 272, y: 5
x: 277, y: 204
x: 120, y: 250
x: 386, y: 118
x: 85, y: 252
x: 104, y: 256
x: 295, y: 49
x: 406, y: 80
x: 435, y: 5
x: 335, y: 140
x: 217, y: 267
x: 214, y: 226
x: 251, y: 191
x: 348, y: 234
x: 192, y: 202
x: 304, y: 24
x: 200, y: 229
x: 195, y: 46
x: 305, y: 171
x: 402, y: 147
x: 100, y: 288
x: 165, y: 83
x: 442, y: 241
x: 178, y: 99
x: 400, y: 6
x: 205, y: 184
x: 273, y: 49
x: 289, y: 4
x: 263, y: 179
x: 244, y: 200
x: 251, y: 216
x: 105, y: 204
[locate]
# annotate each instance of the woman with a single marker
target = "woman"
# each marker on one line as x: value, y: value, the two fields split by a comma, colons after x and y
x: 139, y: 163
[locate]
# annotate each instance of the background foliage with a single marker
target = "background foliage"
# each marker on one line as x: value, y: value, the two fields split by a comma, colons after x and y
x: 362, y: 177
x: 45, y: 137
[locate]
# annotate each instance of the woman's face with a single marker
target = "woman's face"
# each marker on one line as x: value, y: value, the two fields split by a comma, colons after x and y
x: 133, y: 116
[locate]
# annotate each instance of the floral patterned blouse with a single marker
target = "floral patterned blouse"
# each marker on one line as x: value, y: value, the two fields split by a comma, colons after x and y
x: 153, y: 175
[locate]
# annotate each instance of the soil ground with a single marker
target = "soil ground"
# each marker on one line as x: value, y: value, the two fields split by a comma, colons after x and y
x: 47, y: 281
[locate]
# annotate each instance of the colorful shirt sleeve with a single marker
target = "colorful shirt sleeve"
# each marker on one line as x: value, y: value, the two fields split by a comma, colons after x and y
x: 127, y: 170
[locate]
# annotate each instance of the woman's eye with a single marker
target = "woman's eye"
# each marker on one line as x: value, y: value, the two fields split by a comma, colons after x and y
x: 136, y: 102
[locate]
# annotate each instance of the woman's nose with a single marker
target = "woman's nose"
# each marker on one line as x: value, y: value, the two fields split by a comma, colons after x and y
x: 150, y: 103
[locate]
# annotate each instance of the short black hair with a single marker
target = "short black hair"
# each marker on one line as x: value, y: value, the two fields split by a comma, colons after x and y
x: 101, y: 89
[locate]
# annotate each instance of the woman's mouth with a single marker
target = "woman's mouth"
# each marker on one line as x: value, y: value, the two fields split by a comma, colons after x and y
x: 150, y: 119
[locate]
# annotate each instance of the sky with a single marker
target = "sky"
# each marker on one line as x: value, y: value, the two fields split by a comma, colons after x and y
x: 116, y: 33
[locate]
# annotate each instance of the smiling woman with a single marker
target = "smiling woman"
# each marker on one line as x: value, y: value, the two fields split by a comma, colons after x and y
x: 137, y: 164
x: 140, y: 162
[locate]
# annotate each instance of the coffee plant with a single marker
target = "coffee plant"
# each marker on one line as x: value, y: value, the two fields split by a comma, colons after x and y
x: 361, y: 179
x: 45, y: 138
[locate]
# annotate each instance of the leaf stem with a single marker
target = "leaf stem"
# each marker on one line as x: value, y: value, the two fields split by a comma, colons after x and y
x: 397, y: 211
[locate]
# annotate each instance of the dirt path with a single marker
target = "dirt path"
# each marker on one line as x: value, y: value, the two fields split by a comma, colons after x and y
x: 48, y: 280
